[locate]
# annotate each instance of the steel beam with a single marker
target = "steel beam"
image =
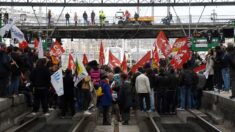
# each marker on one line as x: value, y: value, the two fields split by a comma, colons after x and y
x: 230, y: 3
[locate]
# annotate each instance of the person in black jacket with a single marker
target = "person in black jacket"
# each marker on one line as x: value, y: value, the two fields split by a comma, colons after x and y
x: 5, y: 69
x: 41, y: 81
x: 188, y: 80
x: 171, y: 92
x: 231, y: 59
x: 67, y: 100
x: 125, y: 99
x: 162, y: 83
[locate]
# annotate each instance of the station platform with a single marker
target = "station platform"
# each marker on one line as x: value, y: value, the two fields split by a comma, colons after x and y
x: 220, y: 108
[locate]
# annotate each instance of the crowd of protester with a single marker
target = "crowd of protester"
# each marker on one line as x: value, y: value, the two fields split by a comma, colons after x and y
x: 162, y: 89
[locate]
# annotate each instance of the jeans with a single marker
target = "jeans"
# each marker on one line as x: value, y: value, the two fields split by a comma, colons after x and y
x: 143, y: 96
x: 85, y: 99
x: 14, y: 87
x: 226, y: 78
x: 185, y: 97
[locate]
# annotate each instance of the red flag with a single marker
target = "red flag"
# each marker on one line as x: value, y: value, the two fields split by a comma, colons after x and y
x: 71, y: 63
x: 124, y: 64
x: 35, y: 42
x: 101, y: 57
x: 85, y: 60
x: 200, y: 68
x: 155, y: 55
x: 56, y: 50
x: 182, y: 56
x: 163, y: 44
x: 23, y: 45
x: 141, y: 62
x: 113, y: 61
x: 179, y: 43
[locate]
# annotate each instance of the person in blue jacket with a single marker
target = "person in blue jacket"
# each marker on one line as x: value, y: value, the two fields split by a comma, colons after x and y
x: 106, y: 99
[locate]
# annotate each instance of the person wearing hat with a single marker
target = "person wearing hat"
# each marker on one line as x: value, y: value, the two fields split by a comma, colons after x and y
x: 106, y: 98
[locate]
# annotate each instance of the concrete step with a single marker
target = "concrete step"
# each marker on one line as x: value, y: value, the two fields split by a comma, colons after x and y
x: 218, y: 120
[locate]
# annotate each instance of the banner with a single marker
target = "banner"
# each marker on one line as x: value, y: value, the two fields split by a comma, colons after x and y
x: 5, y: 29
x: 124, y: 64
x: 17, y: 34
x: 80, y: 72
x: 57, y: 82
x: 113, y: 61
x: 141, y: 62
x: 40, y: 49
x: 182, y: 56
x: 200, y: 68
x: 163, y: 44
x: 56, y: 49
x: 71, y: 63
x: 101, y: 56
x: 179, y: 43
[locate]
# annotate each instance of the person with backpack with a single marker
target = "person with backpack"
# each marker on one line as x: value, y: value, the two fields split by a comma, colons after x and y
x: 5, y: 70
x: 125, y: 99
x: 105, y: 99
x: 187, y: 80
x: 85, y: 93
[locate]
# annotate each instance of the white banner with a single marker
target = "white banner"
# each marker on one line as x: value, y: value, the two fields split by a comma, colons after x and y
x: 40, y: 49
x: 5, y: 29
x: 57, y: 82
x: 17, y: 34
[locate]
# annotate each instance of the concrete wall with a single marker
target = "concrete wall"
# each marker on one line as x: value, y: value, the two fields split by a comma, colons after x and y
x: 222, y: 109
x: 10, y: 108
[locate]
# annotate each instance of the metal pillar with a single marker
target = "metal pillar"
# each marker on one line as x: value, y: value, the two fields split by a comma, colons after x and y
x: 0, y: 24
x: 234, y: 30
x: 190, y: 19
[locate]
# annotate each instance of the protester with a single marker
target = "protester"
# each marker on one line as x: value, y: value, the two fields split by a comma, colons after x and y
x: 40, y: 78
x: 5, y: 70
x: 210, y: 69
x: 125, y: 99
x: 143, y: 89
x: 188, y: 80
x: 231, y: 59
x: 218, y: 67
x: 85, y: 94
x: 67, y: 100
x: 106, y: 99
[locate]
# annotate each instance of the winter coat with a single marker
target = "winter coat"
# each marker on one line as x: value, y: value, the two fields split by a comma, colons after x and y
x: 106, y: 99
x: 162, y: 83
x: 210, y: 65
x: 125, y: 98
x: 40, y: 77
x: 142, y: 84
x: 5, y: 66
x: 68, y: 86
